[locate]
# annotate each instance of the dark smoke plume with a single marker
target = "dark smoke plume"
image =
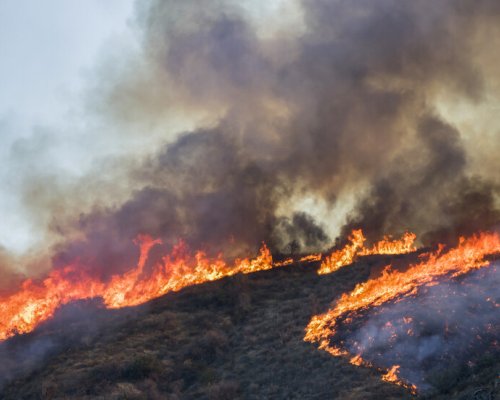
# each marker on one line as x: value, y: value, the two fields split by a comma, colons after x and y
x: 348, y: 104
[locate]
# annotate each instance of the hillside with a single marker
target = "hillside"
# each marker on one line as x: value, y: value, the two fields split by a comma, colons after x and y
x: 238, y: 338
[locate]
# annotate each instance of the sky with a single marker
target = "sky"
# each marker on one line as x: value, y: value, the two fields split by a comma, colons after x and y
x: 53, y: 53
x: 47, y: 50
x: 50, y: 53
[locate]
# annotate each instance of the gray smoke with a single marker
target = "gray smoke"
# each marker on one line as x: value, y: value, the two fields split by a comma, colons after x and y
x: 348, y: 103
x: 74, y: 326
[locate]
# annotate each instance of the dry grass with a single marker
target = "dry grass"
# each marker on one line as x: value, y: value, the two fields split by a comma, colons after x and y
x: 240, y: 338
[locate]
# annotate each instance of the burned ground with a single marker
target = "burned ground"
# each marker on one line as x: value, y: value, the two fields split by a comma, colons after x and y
x: 241, y: 337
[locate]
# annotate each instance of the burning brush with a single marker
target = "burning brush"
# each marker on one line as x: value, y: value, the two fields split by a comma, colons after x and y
x: 388, y: 322
x: 438, y: 309
x: 35, y: 302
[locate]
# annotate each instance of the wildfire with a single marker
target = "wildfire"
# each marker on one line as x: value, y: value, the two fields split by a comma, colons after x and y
x: 391, y: 375
x: 35, y: 302
x: 311, y: 258
x: 286, y: 261
x: 348, y: 254
x: 470, y: 254
x: 357, y: 360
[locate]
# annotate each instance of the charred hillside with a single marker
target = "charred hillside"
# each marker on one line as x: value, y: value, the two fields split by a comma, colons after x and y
x: 241, y: 337
x: 211, y: 145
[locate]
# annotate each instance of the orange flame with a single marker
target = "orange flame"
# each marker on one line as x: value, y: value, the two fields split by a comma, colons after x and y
x: 469, y: 255
x: 348, y: 254
x: 36, y: 302
x: 311, y: 258
x: 287, y: 261
x: 391, y: 375
x: 357, y: 360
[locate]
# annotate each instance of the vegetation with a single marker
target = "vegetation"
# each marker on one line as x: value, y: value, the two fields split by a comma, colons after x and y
x: 239, y: 338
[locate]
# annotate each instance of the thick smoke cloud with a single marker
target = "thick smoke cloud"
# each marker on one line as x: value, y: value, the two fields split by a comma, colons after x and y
x: 440, y: 199
x: 349, y: 105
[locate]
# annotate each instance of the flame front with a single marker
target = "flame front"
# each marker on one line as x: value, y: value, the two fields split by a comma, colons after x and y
x: 348, y: 254
x: 391, y: 375
x: 36, y: 302
x: 470, y: 254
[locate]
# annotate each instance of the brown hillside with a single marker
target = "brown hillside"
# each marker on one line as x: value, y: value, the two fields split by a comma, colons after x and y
x: 239, y: 338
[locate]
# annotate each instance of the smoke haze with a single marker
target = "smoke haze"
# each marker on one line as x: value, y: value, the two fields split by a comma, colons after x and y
x: 445, y: 329
x: 351, y: 101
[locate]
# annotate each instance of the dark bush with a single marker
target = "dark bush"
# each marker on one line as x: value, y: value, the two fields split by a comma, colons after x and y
x: 141, y: 367
x: 224, y: 390
x: 447, y: 379
x: 208, y: 346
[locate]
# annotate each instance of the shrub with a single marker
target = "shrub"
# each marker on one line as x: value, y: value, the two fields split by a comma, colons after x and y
x: 208, y: 346
x: 141, y: 367
x: 223, y: 390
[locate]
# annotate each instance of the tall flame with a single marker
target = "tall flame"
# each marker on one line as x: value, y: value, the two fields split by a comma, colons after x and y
x: 470, y: 254
x: 391, y: 375
x: 36, y: 302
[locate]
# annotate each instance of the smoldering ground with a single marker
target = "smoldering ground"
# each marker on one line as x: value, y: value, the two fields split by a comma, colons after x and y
x: 438, y: 336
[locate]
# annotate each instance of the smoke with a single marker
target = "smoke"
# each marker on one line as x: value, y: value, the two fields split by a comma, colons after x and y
x: 233, y: 123
x: 23, y: 359
x: 300, y: 232
x: 346, y: 103
x: 441, y: 200
x: 74, y: 326
x: 435, y: 336
x: 6, y: 275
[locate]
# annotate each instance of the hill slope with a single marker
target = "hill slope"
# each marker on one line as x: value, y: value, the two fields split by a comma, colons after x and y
x: 240, y: 337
